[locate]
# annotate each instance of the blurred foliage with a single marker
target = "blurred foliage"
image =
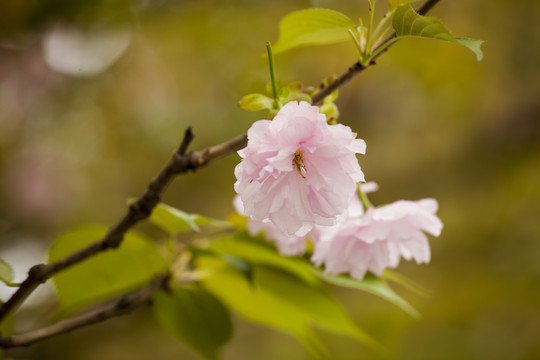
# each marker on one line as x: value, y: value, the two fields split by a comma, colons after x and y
x: 437, y: 124
x: 6, y: 272
x: 193, y: 316
x: 102, y: 277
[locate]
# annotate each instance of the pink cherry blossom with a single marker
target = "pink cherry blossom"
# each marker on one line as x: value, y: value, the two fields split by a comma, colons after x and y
x: 288, y: 245
x: 297, y: 171
x: 377, y: 239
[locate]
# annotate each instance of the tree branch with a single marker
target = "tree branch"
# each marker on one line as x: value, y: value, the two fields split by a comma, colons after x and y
x: 180, y: 162
x: 137, y: 211
x: 123, y: 305
x: 428, y: 5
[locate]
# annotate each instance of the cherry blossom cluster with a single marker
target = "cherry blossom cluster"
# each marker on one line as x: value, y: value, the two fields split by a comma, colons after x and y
x: 298, y: 180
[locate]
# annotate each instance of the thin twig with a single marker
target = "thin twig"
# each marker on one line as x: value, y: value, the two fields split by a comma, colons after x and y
x: 351, y: 72
x: 123, y: 305
x: 180, y: 162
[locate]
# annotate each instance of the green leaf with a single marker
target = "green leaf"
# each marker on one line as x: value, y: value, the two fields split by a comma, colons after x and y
x: 314, y: 303
x: 372, y: 285
x: 105, y: 275
x: 244, y: 247
x: 195, y: 317
x: 241, y: 265
x: 394, y: 4
x: 256, y: 102
x: 474, y: 45
x: 313, y: 27
x: 174, y: 221
x: 407, y: 22
x: 331, y: 111
x: 295, y: 86
x: 6, y: 272
x: 294, y: 91
x: 281, y: 301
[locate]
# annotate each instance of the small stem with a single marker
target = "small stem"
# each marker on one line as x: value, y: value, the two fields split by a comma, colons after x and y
x: 356, y: 42
x: 12, y: 284
x: 271, y: 64
x: 370, y: 28
x: 377, y: 36
x: 380, y: 39
x: 363, y: 197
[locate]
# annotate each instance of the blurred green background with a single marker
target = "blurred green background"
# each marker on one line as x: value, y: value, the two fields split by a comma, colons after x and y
x: 437, y: 124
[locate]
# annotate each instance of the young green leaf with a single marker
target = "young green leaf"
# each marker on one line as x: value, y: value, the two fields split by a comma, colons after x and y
x: 313, y: 27
x: 174, y: 221
x: 287, y: 96
x: 256, y: 102
x: 406, y: 22
x: 105, y: 275
x: 6, y: 272
x: 249, y: 300
x: 331, y: 111
x: 394, y: 4
x: 324, y: 312
x: 195, y: 317
x: 242, y: 266
x: 282, y: 301
x: 372, y: 285
x: 474, y: 45
x: 240, y: 247
x: 328, y: 107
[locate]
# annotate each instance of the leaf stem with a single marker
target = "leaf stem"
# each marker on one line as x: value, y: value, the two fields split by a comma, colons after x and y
x: 363, y: 197
x: 277, y: 103
x: 370, y: 29
x: 356, y: 42
x: 12, y: 284
x: 377, y: 36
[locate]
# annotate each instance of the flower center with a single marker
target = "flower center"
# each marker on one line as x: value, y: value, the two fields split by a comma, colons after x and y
x: 298, y: 161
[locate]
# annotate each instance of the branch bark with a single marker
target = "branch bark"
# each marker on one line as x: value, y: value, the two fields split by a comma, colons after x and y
x: 121, y: 306
x: 179, y: 163
x: 137, y: 211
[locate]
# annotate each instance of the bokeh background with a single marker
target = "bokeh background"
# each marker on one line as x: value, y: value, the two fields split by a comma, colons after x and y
x: 95, y: 95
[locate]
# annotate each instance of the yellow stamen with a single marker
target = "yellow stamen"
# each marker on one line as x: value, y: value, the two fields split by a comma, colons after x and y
x: 298, y: 161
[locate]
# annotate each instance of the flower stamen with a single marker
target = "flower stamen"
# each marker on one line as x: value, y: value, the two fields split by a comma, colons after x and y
x: 298, y: 161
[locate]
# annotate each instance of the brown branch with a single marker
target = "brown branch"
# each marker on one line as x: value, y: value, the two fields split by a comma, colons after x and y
x: 121, y: 306
x: 180, y: 162
x: 137, y: 211
x: 428, y: 5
